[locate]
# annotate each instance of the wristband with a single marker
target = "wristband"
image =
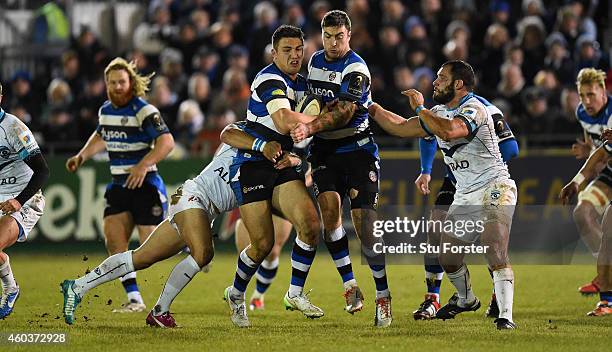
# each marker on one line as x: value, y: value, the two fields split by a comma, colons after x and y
x: 419, y: 108
x: 258, y: 145
x: 579, y: 178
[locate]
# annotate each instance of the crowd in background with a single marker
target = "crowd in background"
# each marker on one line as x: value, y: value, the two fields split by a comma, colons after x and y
x: 205, y: 54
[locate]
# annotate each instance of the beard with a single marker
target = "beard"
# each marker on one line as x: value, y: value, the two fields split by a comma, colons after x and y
x: 119, y: 99
x: 443, y: 97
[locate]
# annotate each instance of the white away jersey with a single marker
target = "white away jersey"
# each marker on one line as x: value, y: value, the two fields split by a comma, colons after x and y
x: 16, y: 144
x: 474, y: 160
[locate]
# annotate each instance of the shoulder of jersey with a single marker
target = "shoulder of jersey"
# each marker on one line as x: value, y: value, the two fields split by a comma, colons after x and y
x: 353, y: 57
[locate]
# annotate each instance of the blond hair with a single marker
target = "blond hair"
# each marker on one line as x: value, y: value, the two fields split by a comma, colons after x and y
x: 591, y: 76
x: 140, y: 83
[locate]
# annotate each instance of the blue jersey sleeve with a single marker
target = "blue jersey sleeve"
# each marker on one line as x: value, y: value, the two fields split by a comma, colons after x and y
x: 154, y: 126
x: 271, y: 89
x: 427, y: 148
x: 509, y: 149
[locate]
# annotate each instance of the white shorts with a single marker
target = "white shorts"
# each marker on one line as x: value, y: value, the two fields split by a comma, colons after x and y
x: 191, y: 196
x: 28, y: 215
x: 493, y: 203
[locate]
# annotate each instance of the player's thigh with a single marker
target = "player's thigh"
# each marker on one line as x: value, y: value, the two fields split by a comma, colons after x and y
x: 162, y: 243
x: 257, y: 218
x: 117, y: 231
x: 329, y: 189
x: 293, y: 201
x: 242, y: 236
x: 9, y: 231
x: 194, y: 228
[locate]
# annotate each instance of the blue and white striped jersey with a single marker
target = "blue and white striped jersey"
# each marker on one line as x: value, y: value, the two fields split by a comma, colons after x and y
x: 129, y: 132
x: 595, y: 125
x: 16, y: 144
x: 270, y: 89
x: 346, y: 79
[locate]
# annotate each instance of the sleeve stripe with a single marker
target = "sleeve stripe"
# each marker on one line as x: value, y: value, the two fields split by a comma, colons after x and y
x: 471, y: 126
x: 357, y: 67
x: 145, y: 111
x: 266, y: 77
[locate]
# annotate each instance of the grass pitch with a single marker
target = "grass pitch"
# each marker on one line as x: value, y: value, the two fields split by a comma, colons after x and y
x: 548, y: 310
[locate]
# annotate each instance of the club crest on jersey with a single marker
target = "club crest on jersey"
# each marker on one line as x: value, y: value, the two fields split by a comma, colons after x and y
x: 332, y: 76
x: 373, y: 177
x: 156, y: 210
x: 124, y: 120
x: 98, y: 271
x: 468, y: 112
x: 495, y: 194
x: 5, y: 152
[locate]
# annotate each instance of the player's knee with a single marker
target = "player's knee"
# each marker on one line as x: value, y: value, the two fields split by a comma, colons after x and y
x: 262, y: 247
x: 203, y: 257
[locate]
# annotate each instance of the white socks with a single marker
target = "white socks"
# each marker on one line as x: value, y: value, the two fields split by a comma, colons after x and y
x: 113, y: 267
x: 461, y: 280
x: 503, y: 279
x: 180, y: 276
x: 6, y: 275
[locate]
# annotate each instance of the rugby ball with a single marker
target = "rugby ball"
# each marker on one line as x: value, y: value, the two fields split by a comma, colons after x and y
x: 309, y: 105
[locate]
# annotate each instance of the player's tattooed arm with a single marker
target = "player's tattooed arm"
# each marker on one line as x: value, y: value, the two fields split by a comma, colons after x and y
x: 394, y: 124
x: 336, y: 117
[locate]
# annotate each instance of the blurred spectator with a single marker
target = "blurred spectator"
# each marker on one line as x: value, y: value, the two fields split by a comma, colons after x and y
x: 538, y: 117
x: 171, y: 61
x: 198, y: 90
x: 394, y: 13
x: 234, y: 95
x: 403, y: 80
x: 567, y: 25
x: 90, y: 51
x: 567, y: 122
x: 266, y: 21
x: 60, y: 130
x: 51, y: 24
x: 294, y: 14
x: 151, y: 36
x: 389, y: 51
x: 547, y: 81
x: 206, y: 61
x: 87, y: 105
x: 558, y: 58
x: 143, y: 64
x: 187, y: 42
x: 165, y: 100
x: 222, y: 39
x: 492, y: 57
x: 71, y: 71
x: 531, y: 36
x: 189, y: 123
x: 201, y: 22
x: 318, y: 9
x: 23, y: 95
x: 588, y: 54
x: 511, y: 85
x: 423, y: 82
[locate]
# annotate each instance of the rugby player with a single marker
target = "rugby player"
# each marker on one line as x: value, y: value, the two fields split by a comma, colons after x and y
x: 344, y: 159
x: 192, y: 209
x: 433, y: 270
x: 260, y: 186
x: 594, y: 114
x: 136, y: 138
x: 23, y: 172
x: 465, y: 131
x: 589, y: 171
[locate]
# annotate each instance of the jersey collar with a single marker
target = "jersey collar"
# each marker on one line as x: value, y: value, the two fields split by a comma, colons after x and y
x: 463, y: 100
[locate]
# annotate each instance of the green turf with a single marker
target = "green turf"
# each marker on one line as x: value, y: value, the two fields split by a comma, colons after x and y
x: 548, y: 310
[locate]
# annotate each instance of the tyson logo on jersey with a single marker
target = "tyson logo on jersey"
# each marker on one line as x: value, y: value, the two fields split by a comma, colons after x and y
x: 322, y: 92
x: 113, y: 134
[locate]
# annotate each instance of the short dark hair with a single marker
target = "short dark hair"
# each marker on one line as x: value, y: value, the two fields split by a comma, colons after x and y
x: 286, y: 31
x: 336, y: 18
x: 460, y: 69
